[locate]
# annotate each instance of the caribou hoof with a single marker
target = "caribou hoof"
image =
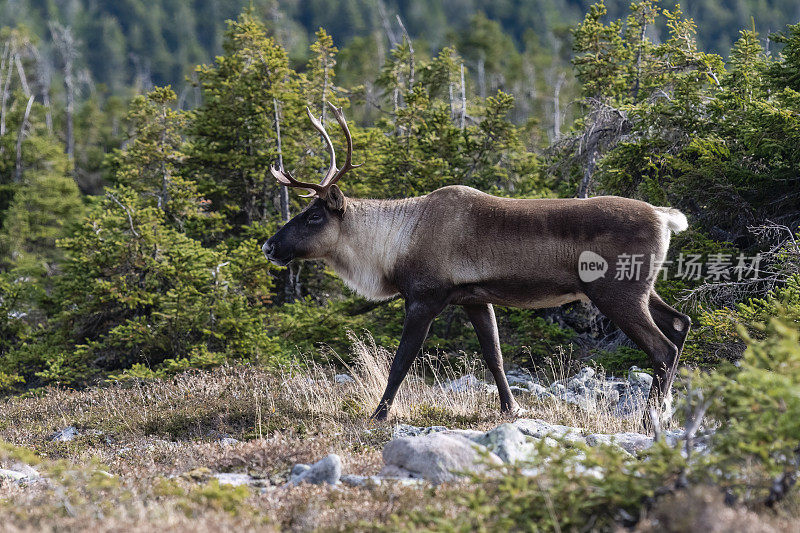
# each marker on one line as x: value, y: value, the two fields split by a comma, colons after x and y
x: 379, y: 416
x: 515, y: 411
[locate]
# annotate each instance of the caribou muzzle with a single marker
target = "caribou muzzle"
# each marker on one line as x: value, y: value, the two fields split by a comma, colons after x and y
x: 274, y: 254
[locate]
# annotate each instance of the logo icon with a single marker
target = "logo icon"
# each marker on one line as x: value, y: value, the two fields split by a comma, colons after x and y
x: 591, y: 266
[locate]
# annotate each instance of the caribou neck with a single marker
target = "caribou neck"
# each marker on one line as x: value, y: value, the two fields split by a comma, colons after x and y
x: 374, y: 234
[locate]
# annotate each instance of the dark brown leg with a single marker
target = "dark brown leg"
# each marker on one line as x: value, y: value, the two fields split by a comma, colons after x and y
x: 485, y: 324
x: 631, y: 314
x: 672, y: 323
x: 419, y: 316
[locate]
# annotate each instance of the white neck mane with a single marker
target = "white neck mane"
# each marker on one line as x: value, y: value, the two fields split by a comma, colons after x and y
x: 374, y: 235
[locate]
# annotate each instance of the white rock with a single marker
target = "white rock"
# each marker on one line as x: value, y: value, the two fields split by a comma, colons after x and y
x: 326, y: 470
x: 299, y: 469
x: 12, y: 475
x: 343, y: 378
x: 437, y: 457
x: 232, y: 479
x: 407, y: 430
x: 537, y: 428
x: 508, y: 443
x: 639, y: 379
x: 630, y: 442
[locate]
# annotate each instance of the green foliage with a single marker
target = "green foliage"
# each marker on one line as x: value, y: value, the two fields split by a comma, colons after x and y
x: 221, y: 497
x: 578, y: 486
x: 619, y: 361
x: 758, y: 404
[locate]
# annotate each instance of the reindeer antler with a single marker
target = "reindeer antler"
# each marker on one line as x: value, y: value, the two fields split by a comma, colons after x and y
x: 333, y: 175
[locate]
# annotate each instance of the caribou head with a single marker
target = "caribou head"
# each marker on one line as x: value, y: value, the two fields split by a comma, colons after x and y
x: 315, y: 230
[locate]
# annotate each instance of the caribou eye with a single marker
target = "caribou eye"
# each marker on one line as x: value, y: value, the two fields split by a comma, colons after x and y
x: 314, y: 218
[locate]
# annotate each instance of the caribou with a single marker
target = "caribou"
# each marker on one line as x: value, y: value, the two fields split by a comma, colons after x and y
x: 460, y: 246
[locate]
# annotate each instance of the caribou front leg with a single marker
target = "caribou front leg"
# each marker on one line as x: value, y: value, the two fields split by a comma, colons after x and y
x: 419, y: 316
x: 485, y: 324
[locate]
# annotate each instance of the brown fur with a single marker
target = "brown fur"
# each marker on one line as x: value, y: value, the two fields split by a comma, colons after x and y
x: 460, y: 246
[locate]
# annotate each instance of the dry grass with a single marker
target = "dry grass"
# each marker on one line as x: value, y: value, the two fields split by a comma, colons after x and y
x: 142, y: 433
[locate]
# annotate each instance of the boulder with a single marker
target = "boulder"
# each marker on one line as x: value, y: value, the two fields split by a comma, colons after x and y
x: 508, y: 443
x: 407, y: 430
x: 630, y: 442
x: 639, y: 379
x: 12, y: 475
x: 326, y: 470
x: 538, y: 429
x: 437, y: 457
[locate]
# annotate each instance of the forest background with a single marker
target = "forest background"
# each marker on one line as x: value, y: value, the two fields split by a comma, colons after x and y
x: 135, y: 141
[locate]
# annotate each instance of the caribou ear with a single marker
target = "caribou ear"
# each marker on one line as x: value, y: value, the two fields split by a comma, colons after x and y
x: 335, y: 199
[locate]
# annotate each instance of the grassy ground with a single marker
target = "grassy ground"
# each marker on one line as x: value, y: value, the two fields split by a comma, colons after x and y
x: 146, y: 450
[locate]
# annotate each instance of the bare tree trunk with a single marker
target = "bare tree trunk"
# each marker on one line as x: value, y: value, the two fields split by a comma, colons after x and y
x: 411, y: 65
x: 163, y: 198
x: 283, y: 191
x: 386, y: 26
x: 636, y: 84
x: 482, y: 78
x: 44, y: 78
x: 557, y: 106
x: 18, y: 167
x: 65, y: 42
x: 6, y: 91
x: 324, y: 89
x: 452, y: 103
x: 463, y: 99
x: 23, y: 79
x: 583, y: 189
x: 48, y: 110
x: 290, y: 285
x: 70, y: 110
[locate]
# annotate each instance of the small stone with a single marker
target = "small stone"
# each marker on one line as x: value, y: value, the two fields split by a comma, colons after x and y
x: 353, y: 480
x: 201, y: 473
x: 343, y: 378
x: 326, y: 470
x: 228, y: 441
x: 65, y: 435
x: 233, y: 479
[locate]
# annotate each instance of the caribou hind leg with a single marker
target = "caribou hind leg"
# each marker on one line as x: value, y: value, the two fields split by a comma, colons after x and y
x: 673, y: 324
x: 419, y: 316
x: 485, y: 324
x: 630, y: 312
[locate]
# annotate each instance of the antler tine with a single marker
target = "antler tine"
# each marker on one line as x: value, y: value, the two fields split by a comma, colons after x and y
x: 321, y: 129
x: 348, y: 165
x: 285, y: 177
